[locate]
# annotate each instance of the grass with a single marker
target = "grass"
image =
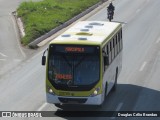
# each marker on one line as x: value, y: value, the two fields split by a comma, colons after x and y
x: 40, y: 17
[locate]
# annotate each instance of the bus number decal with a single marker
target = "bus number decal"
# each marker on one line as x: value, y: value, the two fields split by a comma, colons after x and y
x: 64, y: 76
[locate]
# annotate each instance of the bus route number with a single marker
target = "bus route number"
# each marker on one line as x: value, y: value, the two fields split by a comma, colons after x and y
x: 64, y: 76
x: 74, y: 49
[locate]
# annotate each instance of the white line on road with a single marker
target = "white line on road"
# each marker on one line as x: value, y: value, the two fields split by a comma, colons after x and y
x: 142, y: 67
x: 158, y: 40
x: 119, y: 106
x: 2, y: 59
x: 17, y: 60
x: 3, y: 54
x: 43, y: 106
x: 117, y: 109
x: 137, y: 11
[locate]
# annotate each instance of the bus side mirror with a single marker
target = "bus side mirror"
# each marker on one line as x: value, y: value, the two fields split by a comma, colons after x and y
x: 106, y: 60
x: 44, y: 57
x: 43, y: 60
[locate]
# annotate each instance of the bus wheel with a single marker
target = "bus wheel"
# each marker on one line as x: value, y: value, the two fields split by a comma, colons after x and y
x: 58, y: 105
x: 115, y: 83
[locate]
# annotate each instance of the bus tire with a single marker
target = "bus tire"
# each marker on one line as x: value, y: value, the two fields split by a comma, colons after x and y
x: 58, y: 105
x: 115, y: 83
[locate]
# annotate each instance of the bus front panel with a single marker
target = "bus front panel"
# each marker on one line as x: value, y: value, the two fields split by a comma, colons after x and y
x: 73, y: 74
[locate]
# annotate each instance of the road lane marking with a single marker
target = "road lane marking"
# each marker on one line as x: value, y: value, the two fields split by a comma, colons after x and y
x: 17, y: 60
x: 119, y: 106
x: 142, y: 67
x: 3, y: 54
x: 43, y: 106
x: 17, y: 38
x: 158, y: 40
x: 2, y: 59
x: 137, y: 11
x: 117, y: 109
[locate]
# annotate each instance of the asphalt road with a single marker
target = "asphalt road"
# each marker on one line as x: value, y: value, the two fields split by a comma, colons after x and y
x: 12, y: 53
x: 139, y: 81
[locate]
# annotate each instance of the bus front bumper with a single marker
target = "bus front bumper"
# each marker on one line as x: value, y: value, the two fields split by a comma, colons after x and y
x: 54, y: 99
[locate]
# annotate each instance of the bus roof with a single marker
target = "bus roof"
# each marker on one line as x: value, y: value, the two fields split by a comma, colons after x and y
x: 88, y: 33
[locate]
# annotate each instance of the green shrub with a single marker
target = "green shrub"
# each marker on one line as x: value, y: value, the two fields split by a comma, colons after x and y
x: 40, y: 17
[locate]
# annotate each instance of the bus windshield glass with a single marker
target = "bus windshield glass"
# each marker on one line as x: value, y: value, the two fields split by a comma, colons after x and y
x: 73, y: 65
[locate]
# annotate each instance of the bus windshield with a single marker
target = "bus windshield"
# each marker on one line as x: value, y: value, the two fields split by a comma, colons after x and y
x: 73, y: 66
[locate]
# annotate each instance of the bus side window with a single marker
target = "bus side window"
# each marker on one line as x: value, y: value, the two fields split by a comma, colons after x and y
x: 104, y: 54
x: 110, y: 51
x: 119, y: 39
x: 115, y: 46
x: 113, y: 43
x: 121, y: 33
x: 110, y: 46
x: 107, y: 49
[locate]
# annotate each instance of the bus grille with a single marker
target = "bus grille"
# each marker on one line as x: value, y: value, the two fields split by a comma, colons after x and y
x: 75, y: 100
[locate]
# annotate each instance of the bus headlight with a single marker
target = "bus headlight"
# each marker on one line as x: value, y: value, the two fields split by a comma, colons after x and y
x: 95, y: 92
x: 51, y: 91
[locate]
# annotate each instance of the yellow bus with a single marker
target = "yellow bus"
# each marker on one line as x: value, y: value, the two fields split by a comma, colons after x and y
x: 83, y: 63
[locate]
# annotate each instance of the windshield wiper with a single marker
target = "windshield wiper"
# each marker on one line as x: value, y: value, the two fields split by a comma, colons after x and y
x: 69, y: 83
x: 80, y: 61
x: 67, y: 61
